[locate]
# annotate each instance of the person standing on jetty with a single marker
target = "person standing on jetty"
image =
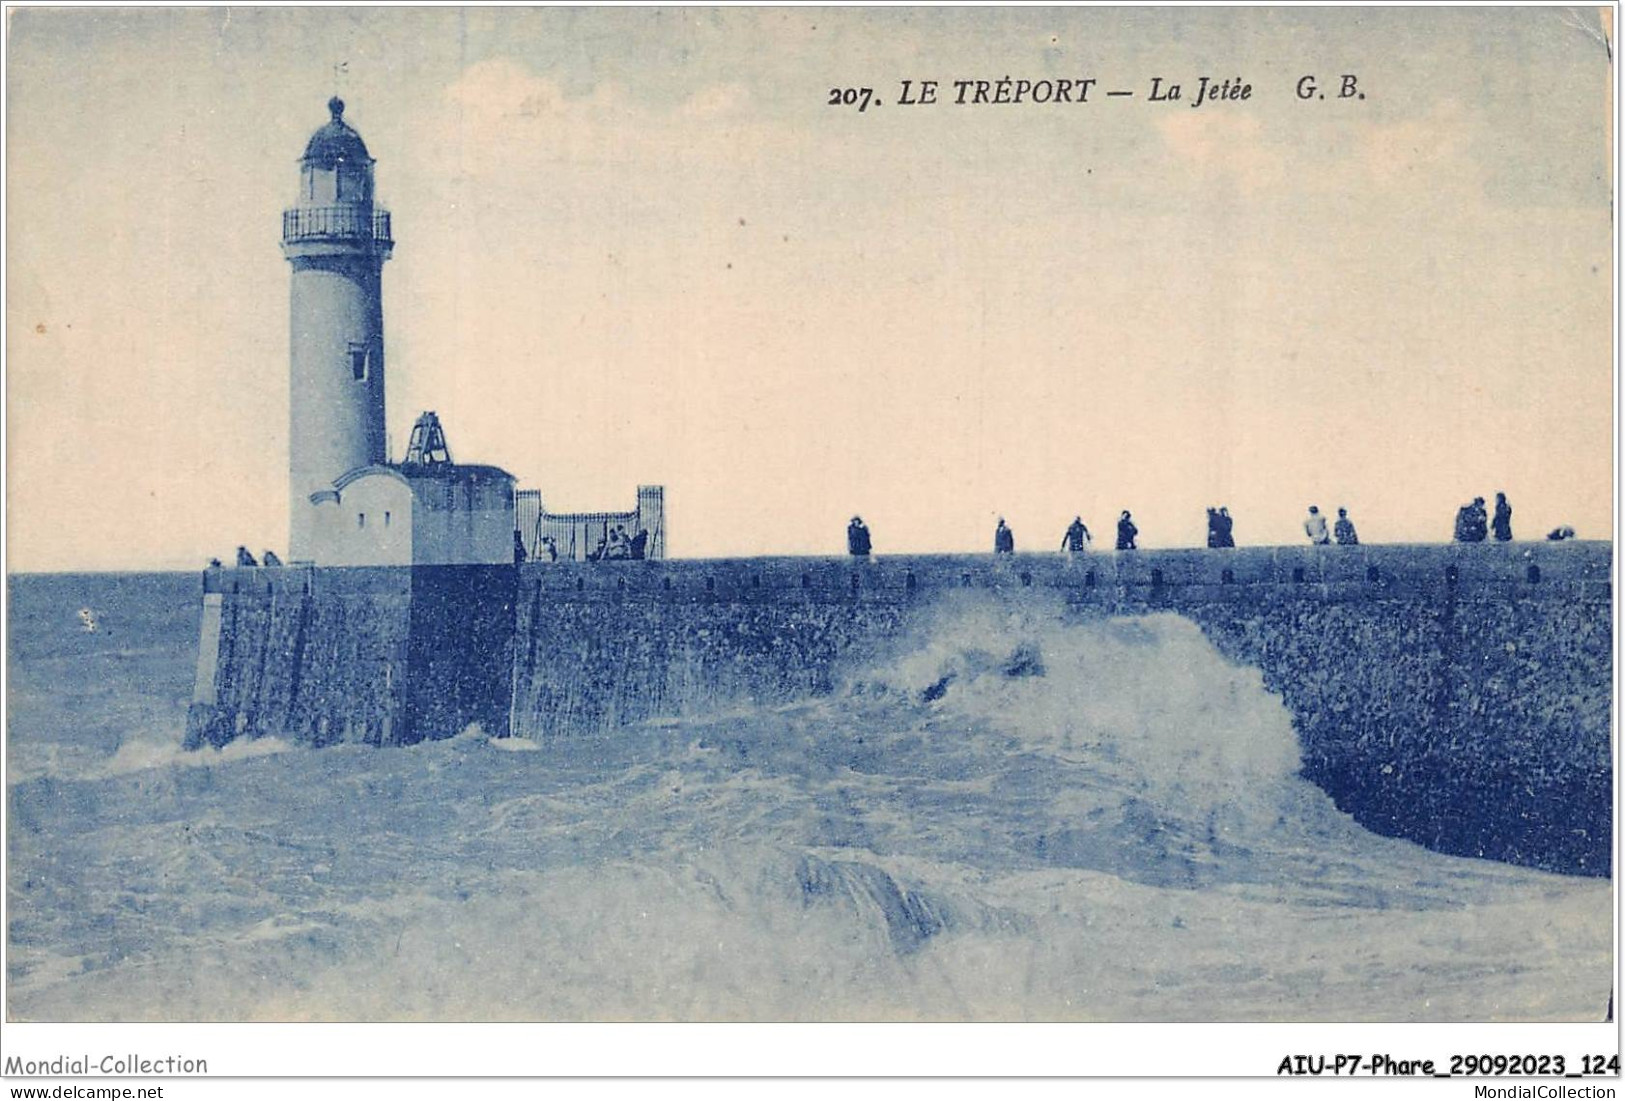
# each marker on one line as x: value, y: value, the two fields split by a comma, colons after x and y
x: 1314, y: 526
x: 1219, y: 527
x: 1502, y: 524
x: 1126, y: 531
x: 1004, y: 540
x: 1076, y: 539
x: 1344, y: 530
x: 857, y: 538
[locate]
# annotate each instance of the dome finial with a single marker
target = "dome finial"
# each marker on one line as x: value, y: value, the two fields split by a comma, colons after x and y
x: 336, y: 106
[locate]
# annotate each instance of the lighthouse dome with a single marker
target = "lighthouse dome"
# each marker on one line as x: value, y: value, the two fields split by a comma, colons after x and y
x: 335, y: 143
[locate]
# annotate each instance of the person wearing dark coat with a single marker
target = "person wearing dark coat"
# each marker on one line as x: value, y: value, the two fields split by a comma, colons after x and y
x: 857, y: 538
x: 269, y: 558
x: 244, y: 558
x: 1218, y: 528
x: 519, y: 554
x: 1126, y: 531
x: 1076, y: 539
x: 1502, y: 524
x: 1004, y: 540
x: 1343, y: 531
x: 640, y: 544
x: 1472, y: 522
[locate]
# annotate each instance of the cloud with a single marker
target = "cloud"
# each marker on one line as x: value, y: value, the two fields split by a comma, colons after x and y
x: 501, y: 88
x: 501, y: 116
x: 1397, y: 154
x: 717, y: 101
x: 1423, y: 155
x: 1231, y: 145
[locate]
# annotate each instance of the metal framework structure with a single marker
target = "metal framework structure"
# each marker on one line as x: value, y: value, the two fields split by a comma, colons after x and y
x: 427, y: 445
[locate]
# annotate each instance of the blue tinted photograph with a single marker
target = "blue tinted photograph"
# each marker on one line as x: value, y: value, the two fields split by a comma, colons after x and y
x: 804, y: 515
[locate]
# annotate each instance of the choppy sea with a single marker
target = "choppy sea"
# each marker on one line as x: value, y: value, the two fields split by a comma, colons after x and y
x: 1014, y: 818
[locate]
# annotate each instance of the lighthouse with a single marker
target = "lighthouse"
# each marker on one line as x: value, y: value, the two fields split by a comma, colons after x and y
x: 336, y: 240
x: 348, y: 504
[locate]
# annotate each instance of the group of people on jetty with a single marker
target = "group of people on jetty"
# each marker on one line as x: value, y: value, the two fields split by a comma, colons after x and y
x: 245, y: 557
x: 1314, y: 526
x: 615, y: 546
x: 1473, y: 524
x: 1076, y: 540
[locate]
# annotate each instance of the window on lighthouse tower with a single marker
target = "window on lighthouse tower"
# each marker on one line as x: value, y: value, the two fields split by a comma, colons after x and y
x: 358, y: 361
x: 351, y: 183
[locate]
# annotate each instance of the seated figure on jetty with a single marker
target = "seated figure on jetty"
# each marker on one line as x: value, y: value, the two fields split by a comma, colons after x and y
x: 1344, y: 530
x: 244, y: 558
x: 1314, y: 526
x: 269, y: 558
x: 1502, y: 524
x: 640, y: 545
x: 1472, y: 522
x: 1076, y: 539
x: 1558, y: 534
x: 1004, y: 540
x: 1126, y: 531
x: 857, y: 538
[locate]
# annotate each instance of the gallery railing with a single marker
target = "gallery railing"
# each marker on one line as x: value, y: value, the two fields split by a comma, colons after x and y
x: 348, y: 222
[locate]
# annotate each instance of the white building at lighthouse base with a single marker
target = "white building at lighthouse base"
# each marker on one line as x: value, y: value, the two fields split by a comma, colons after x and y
x: 439, y: 514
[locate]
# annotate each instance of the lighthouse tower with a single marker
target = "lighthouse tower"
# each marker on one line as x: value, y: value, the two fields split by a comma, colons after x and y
x: 337, y: 242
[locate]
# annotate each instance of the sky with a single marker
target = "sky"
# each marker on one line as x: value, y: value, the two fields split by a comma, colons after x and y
x: 638, y: 246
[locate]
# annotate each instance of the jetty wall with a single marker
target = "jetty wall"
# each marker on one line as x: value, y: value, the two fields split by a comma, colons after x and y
x: 1459, y: 696
x: 377, y: 655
